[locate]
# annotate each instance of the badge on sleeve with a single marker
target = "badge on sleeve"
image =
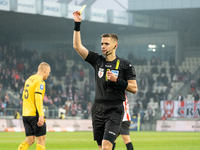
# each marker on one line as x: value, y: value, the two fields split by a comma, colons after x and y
x: 41, y: 86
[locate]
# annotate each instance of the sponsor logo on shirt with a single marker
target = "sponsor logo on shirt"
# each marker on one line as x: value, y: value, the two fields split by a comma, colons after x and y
x: 41, y: 86
x: 108, y: 65
x: 115, y: 72
x: 100, y: 72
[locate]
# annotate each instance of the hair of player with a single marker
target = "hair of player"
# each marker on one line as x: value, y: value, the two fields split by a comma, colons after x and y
x: 111, y: 35
x: 42, y: 66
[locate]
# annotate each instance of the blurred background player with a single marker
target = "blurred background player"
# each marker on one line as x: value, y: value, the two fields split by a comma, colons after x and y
x: 17, y: 115
x: 124, y: 130
x: 61, y: 116
x: 32, y: 112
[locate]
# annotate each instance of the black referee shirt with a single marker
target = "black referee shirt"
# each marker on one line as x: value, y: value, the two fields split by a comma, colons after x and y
x: 105, y: 89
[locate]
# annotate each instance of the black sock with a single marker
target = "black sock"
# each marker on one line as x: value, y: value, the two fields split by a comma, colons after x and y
x: 113, y: 146
x: 129, y: 146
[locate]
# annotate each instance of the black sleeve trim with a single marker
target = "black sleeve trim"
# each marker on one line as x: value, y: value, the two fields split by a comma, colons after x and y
x: 38, y: 93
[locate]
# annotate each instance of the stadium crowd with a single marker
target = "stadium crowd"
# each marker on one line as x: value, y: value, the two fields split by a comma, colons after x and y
x: 16, y: 65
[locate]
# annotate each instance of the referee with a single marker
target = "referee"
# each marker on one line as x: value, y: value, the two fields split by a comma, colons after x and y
x: 113, y: 76
x: 33, y: 114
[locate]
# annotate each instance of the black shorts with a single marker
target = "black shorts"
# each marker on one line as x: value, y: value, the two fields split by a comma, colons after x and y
x: 106, y: 120
x: 124, y: 130
x: 31, y: 127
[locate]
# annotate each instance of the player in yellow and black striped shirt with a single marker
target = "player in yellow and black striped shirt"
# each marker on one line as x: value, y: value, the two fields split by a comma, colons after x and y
x: 32, y: 112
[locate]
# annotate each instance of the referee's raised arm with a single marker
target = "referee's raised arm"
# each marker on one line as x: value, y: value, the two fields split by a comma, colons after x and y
x: 82, y: 51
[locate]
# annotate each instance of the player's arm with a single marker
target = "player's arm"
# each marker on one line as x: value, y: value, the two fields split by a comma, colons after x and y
x: 82, y: 51
x: 132, y: 86
x: 39, y: 102
x: 130, y: 83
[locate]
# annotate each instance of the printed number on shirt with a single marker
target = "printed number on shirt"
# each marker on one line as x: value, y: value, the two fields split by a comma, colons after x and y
x: 26, y: 92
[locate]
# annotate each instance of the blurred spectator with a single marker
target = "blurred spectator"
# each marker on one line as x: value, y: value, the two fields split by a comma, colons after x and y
x: 145, y: 102
x: 63, y: 97
x: 136, y: 110
x: 130, y: 56
x: 87, y: 95
x: 159, y: 80
x: 1, y: 108
x: 196, y: 96
x: 89, y: 107
x: 57, y: 101
x: 67, y: 107
x: 20, y: 66
x: 73, y: 109
x: 163, y: 70
x: 180, y: 97
x: 150, y: 81
x: 150, y: 115
x: 153, y: 61
x: 59, y: 88
x: 192, y: 85
x: 161, y: 96
x: 21, y: 91
x: 140, y: 93
x: 149, y: 94
x: 142, y: 83
x: 172, y: 61
x: 76, y: 98
x: 6, y: 98
x: 198, y: 83
x: 81, y: 74
x: 159, y: 61
x: 79, y: 108
x: 172, y: 71
x: 175, y: 78
x: 154, y: 70
x: 156, y: 97
x: 165, y: 80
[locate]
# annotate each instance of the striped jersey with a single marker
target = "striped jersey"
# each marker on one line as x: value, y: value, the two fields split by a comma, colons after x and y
x: 127, y: 116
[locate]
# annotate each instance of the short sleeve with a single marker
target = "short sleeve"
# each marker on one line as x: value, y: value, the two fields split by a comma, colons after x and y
x: 129, y: 72
x: 40, y: 87
x: 92, y: 58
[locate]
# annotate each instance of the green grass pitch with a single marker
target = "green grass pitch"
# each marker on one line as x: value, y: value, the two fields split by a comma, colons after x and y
x: 84, y: 141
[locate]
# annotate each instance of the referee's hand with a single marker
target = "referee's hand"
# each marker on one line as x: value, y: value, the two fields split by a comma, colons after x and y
x: 111, y: 76
x: 77, y: 16
x: 40, y: 121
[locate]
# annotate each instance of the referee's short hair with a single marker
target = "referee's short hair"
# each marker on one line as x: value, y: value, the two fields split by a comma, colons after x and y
x: 111, y: 35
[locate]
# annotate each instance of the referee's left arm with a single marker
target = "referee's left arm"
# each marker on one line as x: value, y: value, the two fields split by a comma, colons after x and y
x: 132, y: 86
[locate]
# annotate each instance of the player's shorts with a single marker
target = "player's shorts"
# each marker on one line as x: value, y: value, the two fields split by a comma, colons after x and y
x: 106, y: 120
x: 124, y: 130
x: 31, y: 127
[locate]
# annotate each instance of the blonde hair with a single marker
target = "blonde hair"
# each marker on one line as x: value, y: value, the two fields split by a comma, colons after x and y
x: 42, y: 66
